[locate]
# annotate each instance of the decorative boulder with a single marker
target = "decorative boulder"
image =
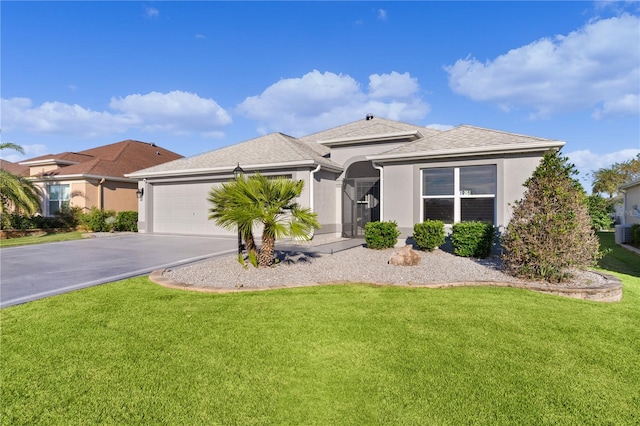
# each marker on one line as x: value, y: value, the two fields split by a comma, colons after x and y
x: 406, y: 256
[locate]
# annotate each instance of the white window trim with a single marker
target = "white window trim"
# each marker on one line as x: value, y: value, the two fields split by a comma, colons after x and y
x: 457, y: 196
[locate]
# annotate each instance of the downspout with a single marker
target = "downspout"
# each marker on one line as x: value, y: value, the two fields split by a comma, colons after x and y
x: 100, y: 194
x: 311, y: 192
x: 381, y: 170
x: 311, y: 199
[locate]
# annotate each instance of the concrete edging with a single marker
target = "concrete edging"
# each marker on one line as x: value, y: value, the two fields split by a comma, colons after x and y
x: 611, y: 291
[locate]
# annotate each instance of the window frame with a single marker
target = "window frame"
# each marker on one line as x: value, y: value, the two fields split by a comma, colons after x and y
x: 457, y: 195
x: 60, y: 201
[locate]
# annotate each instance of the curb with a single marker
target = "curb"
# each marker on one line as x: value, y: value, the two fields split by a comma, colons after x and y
x: 611, y: 291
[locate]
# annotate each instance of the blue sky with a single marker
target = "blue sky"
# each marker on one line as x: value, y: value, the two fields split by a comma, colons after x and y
x: 196, y: 76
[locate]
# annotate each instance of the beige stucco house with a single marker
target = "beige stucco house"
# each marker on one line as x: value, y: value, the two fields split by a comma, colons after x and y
x: 368, y: 170
x: 92, y: 178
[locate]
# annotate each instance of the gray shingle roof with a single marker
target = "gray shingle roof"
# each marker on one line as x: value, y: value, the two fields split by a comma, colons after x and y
x: 271, y: 149
x: 376, y: 126
x: 467, y: 137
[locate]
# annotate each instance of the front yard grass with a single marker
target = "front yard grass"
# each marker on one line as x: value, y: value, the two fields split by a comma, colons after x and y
x: 132, y: 352
x: 40, y: 239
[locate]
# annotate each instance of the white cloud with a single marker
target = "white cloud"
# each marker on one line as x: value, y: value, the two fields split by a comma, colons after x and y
x: 382, y: 14
x: 316, y: 101
x: 626, y: 105
x: 176, y: 112
x: 597, y: 66
x: 394, y: 85
x: 30, y: 151
x: 442, y: 127
x: 151, y: 12
x: 587, y: 162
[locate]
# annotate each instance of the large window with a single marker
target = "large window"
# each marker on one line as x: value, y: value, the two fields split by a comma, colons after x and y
x: 59, y: 197
x: 454, y: 194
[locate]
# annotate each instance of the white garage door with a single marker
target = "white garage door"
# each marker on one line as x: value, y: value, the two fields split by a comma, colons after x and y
x: 183, y: 209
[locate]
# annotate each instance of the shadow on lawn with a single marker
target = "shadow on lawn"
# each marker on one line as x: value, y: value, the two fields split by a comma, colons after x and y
x: 617, y: 259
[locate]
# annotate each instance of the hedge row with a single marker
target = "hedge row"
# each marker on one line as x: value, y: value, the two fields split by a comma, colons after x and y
x: 469, y: 239
x: 95, y: 220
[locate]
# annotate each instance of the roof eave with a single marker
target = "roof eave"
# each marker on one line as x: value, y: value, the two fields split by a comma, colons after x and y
x: 409, y: 136
x: 466, y: 152
x: 229, y: 169
x: 79, y: 176
x: 48, y: 162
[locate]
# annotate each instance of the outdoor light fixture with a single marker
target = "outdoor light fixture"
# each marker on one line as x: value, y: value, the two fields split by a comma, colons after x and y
x: 236, y: 173
x: 140, y: 193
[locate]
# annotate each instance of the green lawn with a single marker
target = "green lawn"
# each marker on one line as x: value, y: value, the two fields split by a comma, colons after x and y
x: 40, y: 239
x: 132, y: 352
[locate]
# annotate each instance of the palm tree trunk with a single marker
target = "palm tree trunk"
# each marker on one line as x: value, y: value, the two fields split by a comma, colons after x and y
x: 250, y: 243
x: 266, y: 251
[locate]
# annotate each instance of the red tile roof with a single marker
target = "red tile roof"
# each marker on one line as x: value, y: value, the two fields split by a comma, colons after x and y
x: 113, y: 160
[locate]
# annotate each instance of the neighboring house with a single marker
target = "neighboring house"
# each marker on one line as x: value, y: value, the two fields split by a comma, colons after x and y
x: 94, y: 177
x: 368, y: 170
x: 630, y: 203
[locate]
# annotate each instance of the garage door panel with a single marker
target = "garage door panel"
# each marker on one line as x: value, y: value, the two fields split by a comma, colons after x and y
x: 183, y: 209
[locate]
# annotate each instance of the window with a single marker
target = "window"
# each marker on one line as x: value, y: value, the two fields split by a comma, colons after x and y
x: 59, y: 196
x: 454, y: 194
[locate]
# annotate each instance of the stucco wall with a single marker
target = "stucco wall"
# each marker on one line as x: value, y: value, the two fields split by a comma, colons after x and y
x: 402, y: 198
x: 326, y: 202
x: 119, y: 196
x: 632, y: 198
x: 342, y: 154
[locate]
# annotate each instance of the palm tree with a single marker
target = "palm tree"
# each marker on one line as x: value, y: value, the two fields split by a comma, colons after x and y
x: 16, y: 192
x: 258, y: 200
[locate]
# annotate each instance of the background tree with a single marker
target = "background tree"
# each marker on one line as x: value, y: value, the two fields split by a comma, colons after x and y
x: 600, y: 210
x: 258, y: 200
x: 608, y: 179
x: 550, y: 231
x: 17, y: 193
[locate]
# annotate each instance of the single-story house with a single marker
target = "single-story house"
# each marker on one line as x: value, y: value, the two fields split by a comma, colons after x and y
x: 92, y: 178
x: 372, y: 169
x: 631, y: 202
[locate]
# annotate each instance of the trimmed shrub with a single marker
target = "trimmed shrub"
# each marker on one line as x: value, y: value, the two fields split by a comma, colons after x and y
x: 381, y: 235
x: 472, y: 239
x: 635, y: 233
x: 429, y: 234
x: 127, y: 221
x: 96, y: 220
x: 550, y: 230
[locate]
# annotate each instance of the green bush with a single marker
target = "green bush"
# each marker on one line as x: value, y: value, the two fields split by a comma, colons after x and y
x: 600, y: 210
x: 429, y: 234
x: 550, y: 231
x: 635, y: 233
x: 381, y: 235
x: 127, y: 221
x: 65, y: 218
x: 96, y: 220
x: 472, y: 239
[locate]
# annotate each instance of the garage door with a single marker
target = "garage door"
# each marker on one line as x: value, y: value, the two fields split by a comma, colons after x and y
x: 183, y: 209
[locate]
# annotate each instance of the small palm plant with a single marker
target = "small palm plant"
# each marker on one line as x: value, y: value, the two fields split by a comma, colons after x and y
x: 259, y: 200
x: 16, y: 192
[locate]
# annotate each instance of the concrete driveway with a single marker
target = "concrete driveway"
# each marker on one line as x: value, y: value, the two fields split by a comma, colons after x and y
x: 37, y: 271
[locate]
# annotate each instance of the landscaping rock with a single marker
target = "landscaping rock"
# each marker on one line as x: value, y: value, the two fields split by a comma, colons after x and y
x: 406, y: 256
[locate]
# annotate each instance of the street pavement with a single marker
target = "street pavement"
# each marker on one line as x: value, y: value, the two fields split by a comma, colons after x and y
x: 33, y: 272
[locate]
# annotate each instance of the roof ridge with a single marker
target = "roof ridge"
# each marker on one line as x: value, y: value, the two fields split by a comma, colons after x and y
x: 502, y: 132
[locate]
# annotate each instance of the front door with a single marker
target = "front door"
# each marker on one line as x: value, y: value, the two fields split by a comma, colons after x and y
x: 361, y: 205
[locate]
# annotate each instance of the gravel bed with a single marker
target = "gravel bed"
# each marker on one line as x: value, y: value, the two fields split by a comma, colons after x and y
x: 354, y: 265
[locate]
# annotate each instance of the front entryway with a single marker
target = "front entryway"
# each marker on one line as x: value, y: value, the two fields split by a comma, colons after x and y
x: 360, y: 198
